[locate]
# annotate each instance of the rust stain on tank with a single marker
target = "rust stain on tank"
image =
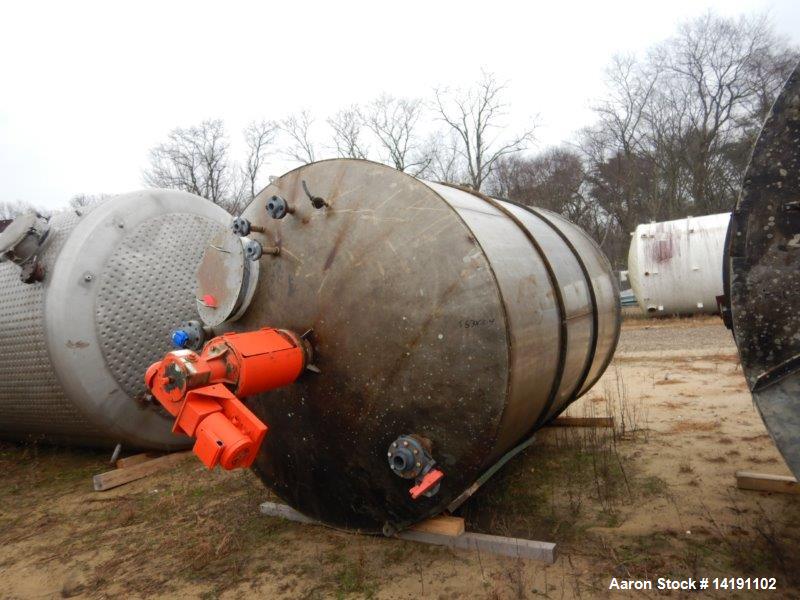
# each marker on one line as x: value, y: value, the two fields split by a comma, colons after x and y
x: 335, y: 247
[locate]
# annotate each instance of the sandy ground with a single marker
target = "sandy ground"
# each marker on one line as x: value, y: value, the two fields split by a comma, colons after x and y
x: 656, y: 498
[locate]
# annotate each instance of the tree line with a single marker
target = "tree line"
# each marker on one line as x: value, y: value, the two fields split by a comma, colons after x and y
x: 458, y: 136
x: 671, y: 137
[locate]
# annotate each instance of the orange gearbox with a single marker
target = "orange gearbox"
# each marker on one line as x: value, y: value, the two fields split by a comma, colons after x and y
x: 202, y: 390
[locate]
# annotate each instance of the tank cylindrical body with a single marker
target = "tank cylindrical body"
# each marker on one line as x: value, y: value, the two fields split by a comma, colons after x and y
x: 433, y: 312
x: 116, y: 279
x: 675, y: 267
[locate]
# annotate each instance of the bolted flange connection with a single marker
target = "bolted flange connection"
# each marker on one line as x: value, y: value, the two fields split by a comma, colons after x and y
x: 277, y: 207
x: 242, y: 227
x: 254, y: 250
x: 410, y: 458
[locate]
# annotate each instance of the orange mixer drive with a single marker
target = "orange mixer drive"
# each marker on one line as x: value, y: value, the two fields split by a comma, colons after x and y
x: 202, y: 390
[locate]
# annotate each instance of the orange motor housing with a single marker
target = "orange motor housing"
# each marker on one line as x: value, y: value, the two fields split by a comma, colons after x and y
x: 202, y: 390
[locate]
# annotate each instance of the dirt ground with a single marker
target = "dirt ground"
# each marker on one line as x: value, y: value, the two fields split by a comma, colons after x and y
x: 654, y: 498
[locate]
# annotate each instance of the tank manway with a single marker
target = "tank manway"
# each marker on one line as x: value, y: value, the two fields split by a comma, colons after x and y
x: 87, y: 301
x: 436, y: 329
x: 762, y: 273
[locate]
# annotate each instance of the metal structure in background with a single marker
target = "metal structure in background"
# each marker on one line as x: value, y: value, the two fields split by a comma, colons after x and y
x: 675, y: 267
x: 762, y: 273
x: 446, y: 327
x: 110, y: 283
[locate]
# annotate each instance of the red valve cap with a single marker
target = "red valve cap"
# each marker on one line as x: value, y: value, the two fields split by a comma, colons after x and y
x: 429, y: 481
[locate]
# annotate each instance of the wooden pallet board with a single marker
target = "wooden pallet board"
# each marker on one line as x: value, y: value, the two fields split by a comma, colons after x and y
x: 601, y: 422
x: 493, y: 544
x: 582, y: 422
x: 764, y: 482
x: 117, y: 477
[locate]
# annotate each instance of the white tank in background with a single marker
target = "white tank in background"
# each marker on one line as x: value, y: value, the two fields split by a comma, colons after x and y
x: 675, y: 267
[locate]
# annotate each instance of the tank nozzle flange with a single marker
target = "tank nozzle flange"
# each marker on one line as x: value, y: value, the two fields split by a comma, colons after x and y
x: 190, y: 334
x: 242, y: 227
x: 410, y: 458
x: 253, y: 250
x: 277, y: 207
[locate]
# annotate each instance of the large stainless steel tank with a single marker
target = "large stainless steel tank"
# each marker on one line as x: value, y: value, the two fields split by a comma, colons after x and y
x: 112, y: 281
x: 433, y: 311
x: 762, y: 273
x: 675, y: 267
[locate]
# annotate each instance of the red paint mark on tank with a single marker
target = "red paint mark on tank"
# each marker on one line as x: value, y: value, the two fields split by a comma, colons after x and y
x: 662, y: 250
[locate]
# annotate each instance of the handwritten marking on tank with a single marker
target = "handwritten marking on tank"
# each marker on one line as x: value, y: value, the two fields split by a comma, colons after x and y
x: 470, y: 323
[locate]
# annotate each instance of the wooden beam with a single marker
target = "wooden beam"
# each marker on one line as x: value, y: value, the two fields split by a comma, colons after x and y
x: 118, y: 477
x: 493, y: 544
x: 764, y: 482
x: 582, y: 422
x: 129, y: 461
x: 441, y: 525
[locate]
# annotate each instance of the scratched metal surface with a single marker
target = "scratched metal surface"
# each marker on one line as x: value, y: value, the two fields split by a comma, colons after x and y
x: 433, y: 312
x: 764, y: 268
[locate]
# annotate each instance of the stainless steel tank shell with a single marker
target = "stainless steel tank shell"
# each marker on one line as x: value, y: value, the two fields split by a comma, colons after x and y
x: 675, y: 267
x: 74, y: 347
x: 762, y: 273
x: 432, y: 310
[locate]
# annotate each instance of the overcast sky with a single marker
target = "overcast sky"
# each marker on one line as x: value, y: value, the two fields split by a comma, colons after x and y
x: 87, y: 88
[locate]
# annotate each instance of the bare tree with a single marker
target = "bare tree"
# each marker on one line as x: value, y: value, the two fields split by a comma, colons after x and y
x: 347, y: 128
x: 195, y: 160
x: 675, y: 130
x: 258, y: 136
x: 83, y: 200
x: 622, y: 113
x: 394, y: 123
x: 444, y: 159
x: 11, y: 209
x: 298, y: 128
x: 726, y: 71
x: 475, y: 115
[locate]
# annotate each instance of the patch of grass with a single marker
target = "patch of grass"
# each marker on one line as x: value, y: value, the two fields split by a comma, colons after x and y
x: 352, y: 579
x: 652, y: 486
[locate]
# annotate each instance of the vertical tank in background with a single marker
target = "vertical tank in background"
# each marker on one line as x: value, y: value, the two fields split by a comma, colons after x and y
x: 675, y: 267
x: 87, y: 301
x: 762, y: 273
x: 442, y: 321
